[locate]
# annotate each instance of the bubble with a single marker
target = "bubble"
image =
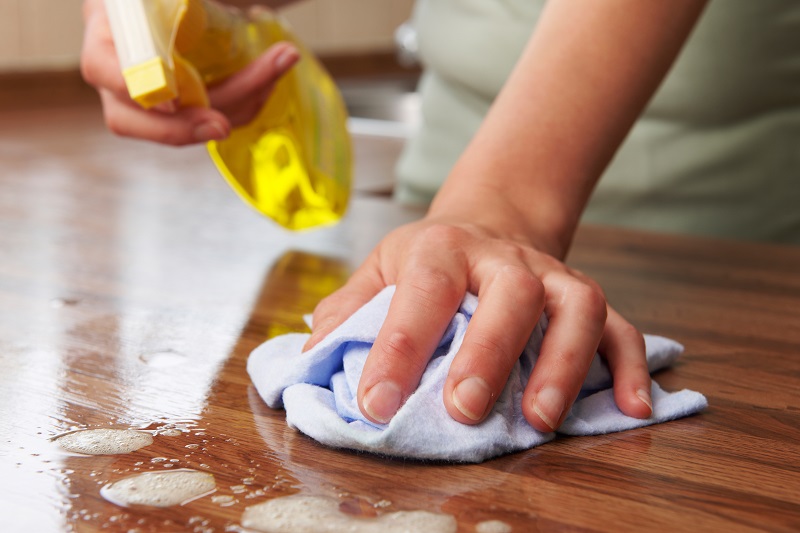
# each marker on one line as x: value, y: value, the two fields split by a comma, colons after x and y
x: 171, y: 432
x: 224, y: 500
x: 163, y: 359
x: 297, y: 514
x: 492, y: 526
x: 104, y: 441
x: 160, y: 489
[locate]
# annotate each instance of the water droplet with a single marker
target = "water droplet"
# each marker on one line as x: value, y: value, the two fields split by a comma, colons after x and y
x: 163, y: 359
x: 492, y: 526
x: 224, y: 500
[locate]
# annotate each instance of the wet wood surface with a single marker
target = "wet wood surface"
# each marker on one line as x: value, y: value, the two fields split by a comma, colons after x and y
x: 134, y: 284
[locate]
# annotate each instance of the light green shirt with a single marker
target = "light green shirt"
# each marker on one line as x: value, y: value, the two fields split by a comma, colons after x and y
x: 716, y: 152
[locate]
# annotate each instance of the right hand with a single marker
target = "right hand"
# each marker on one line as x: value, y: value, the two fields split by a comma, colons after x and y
x: 434, y: 262
x: 234, y: 101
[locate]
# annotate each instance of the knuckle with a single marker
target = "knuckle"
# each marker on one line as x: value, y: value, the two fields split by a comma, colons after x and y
x: 433, y: 286
x: 526, y: 284
x: 512, y: 250
x: 443, y: 235
x: 631, y: 334
x: 88, y: 71
x: 327, y: 311
x: 114, y: 122
x: 488, y: 346
x: 591, y: 300
x: 399, y: 349
x: 171, y: 137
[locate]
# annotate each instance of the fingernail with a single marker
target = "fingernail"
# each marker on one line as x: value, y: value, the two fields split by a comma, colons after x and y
x: 382, y: 401
x: 208, y: 131
x: 549, y: 405
x: 644, y: 396
x: 471, y: 397
x: 285, y: 58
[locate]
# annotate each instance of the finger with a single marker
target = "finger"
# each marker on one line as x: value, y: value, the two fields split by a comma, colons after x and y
x: 509, y: 308
x: 99, y: 63
x: 256, y: 79
x: 185, y: 126
x: 427, y: 296
x: 623, y: 347
x: 577, y: 313
x: 336, y: 308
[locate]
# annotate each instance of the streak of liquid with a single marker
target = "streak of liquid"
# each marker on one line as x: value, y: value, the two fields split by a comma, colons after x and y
x: 492, y: 526
x: 104, y: 441
x: 163, y: 359
x: 299, y: 514
x: 57, y: 303
x: 160, y: 489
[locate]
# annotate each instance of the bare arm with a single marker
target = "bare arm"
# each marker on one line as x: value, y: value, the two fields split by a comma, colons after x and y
x: 505, y: 217
x: 585, y: 76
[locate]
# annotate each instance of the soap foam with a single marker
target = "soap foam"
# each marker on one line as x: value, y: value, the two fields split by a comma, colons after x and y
x: 299, y: 514
x: 104, y: 441
x: 492, y: 526
x: 160, y: 489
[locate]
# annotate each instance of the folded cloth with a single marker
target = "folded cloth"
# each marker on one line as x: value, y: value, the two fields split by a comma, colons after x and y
x: 318, y: 390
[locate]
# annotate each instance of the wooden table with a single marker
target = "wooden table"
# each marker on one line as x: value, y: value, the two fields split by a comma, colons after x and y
x: 112, y: 251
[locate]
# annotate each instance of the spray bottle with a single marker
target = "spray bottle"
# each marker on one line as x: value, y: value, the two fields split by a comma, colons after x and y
x: 292, y: 162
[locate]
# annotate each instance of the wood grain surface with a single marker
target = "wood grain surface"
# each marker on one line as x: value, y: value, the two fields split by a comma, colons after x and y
x: 115, y: 252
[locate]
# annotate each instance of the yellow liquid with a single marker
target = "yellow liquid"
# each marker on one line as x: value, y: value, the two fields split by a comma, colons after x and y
x: 292, y: 162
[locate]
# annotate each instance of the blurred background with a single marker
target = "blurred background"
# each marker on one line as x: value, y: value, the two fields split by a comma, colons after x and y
x: 46, y: 34
x: 361, y: 42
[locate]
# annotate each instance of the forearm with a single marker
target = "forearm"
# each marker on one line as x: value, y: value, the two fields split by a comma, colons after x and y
x: 585, y: 76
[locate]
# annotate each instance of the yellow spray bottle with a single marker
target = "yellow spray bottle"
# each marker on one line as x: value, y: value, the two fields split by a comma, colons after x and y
x: 292, y: 162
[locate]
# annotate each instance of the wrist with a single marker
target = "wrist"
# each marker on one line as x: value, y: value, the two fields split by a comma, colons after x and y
x: 528, y: 219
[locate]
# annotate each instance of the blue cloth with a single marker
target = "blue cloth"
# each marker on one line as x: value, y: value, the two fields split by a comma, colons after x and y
x: 318, y: 390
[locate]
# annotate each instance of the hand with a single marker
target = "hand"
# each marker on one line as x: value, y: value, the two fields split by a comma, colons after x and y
x: 234, y: 101
x: 434, y: 262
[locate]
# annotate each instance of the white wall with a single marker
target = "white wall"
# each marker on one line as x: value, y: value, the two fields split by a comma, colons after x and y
x: 36, y: 34
x: 47, y: 34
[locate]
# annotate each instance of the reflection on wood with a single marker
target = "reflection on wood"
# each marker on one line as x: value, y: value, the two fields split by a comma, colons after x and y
x: 117, y: 255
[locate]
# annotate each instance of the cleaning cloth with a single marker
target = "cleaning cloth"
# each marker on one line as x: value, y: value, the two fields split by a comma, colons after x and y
x: 318, y: 390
